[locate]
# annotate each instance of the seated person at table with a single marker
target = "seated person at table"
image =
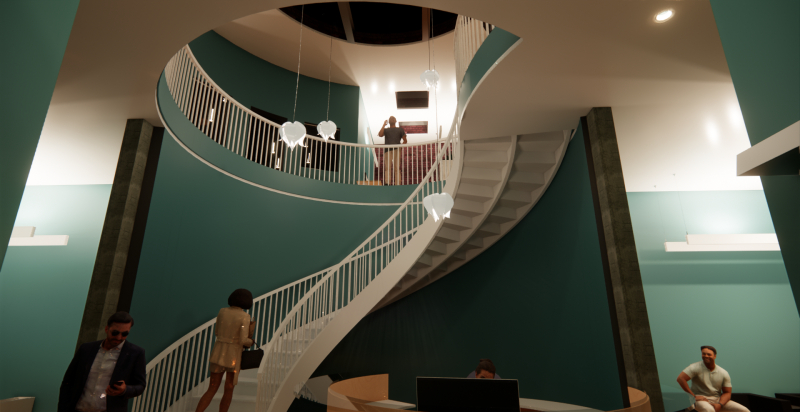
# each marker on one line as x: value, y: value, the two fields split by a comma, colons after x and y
x: 711, y: 385
x: 485, y: 370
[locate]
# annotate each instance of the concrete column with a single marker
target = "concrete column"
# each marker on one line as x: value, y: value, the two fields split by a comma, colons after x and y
x: 620, y: 259
x: 108, y: 278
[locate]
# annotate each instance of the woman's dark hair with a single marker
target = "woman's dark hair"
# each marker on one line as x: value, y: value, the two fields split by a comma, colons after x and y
x: 241, y: 298
x: 711, y: 348
x: 485, y: 365
x: 120, y: 317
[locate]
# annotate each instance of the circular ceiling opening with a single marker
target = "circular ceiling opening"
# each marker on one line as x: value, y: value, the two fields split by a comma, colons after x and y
x: 374, y: 23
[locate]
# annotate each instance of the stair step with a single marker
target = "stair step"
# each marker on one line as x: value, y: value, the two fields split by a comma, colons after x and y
x: 474, y: 192
x: 458, y: 222
x: 533, y: 167
x: 468, y: 207
x: 424, y: 261
x: 490, y: 144
x: 486, y: 160
x: 473, y: 243
x: 436, y: 247
x: 488, y: 229
x: 447, y: 235
x: 514, y: 198
x: 547, y: 142
x: 535, y: 157
x: 479, y: 176
x: 523, y: 180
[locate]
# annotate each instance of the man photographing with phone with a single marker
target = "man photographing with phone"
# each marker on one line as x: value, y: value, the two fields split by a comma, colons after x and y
x: 103, y: 375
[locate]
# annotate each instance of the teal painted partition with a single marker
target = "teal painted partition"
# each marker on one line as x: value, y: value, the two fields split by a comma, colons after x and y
x: 739, y: 302
x: 35, y: 35
x: 535, y: 303
x: 208, y: 234
x: 762, y: 46
x: 253, y: 81
x: 43, y: 290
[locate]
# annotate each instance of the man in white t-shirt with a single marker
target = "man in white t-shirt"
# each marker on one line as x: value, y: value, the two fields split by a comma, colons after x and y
x: 711, y: 385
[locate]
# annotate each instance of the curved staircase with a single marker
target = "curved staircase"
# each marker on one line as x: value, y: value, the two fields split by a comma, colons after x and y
x: 501, y: 180
x: 494, y: 182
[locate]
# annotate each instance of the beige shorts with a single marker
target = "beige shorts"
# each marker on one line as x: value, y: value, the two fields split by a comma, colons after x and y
x: 214, y: 368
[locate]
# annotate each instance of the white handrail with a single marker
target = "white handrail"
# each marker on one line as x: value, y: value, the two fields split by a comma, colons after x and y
x: 344, y: 282
x: 242, y: 131
x: 469, y: 35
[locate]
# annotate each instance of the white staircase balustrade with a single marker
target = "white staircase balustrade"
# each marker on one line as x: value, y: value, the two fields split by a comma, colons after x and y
x: 469, y: 35
x: 351, y: 289
x: 182, y: 368
x: 244, y: 132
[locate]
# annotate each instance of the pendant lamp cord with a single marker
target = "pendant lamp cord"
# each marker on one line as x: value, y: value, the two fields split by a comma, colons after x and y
x: 330, y: 63
x: 439, y: 148
x: 436, y: 85
x: 299, y: 53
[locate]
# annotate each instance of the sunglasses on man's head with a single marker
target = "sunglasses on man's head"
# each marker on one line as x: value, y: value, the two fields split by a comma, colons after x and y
x: 116, y: 333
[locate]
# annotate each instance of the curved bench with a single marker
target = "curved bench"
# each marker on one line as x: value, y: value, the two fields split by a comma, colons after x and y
x: 371, y: 393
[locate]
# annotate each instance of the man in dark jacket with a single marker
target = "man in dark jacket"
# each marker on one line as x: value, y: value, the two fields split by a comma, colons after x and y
x: 103, y: 375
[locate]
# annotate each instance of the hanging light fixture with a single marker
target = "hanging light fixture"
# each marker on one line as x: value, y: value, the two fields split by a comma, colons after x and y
x: 438, y: 205
x: 293, y: 133
x: 327, y: 128
x: 430, y: 78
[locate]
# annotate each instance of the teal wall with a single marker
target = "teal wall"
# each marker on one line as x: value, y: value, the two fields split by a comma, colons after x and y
x: 535, y: 303
x: 34, y: 37
x: 739, y: 302
x: 495, y: 46
x: 253, y: 81
x: 208, y: 234
x: 43, y: 289
x: 761, y: 40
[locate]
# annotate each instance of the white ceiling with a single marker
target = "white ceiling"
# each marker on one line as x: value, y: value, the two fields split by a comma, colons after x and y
x: 675, y: 108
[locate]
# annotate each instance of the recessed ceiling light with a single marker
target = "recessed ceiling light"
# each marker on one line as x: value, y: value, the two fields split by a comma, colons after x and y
x: 664, y: 15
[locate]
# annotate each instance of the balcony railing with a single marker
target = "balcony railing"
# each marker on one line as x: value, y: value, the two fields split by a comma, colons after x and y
x: 244, y: 132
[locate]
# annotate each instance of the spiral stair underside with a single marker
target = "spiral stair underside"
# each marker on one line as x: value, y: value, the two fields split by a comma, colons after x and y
x: 502, y: 179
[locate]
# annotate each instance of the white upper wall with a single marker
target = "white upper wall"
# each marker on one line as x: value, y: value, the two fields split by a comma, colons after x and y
x: 380, y: 71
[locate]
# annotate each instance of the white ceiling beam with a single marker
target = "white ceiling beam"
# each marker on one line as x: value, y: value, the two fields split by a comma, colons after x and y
x: 776, y: 155
x: 347, y: 20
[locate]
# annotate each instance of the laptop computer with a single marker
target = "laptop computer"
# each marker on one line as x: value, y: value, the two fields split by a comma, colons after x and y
x: 466, y: 395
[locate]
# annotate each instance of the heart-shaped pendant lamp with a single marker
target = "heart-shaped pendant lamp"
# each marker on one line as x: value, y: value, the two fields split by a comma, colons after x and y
x: 293, y: 133
x: 438, y: 205
x: 430, y: 78
x: 326, y: 129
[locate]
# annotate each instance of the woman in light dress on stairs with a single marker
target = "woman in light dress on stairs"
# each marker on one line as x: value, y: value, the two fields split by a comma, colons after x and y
x: 234, y: 333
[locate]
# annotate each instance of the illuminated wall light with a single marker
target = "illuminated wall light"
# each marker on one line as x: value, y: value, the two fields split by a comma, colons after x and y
x: 374, y: 88
x: 712, y: 132
x: 309, y: 159
x: 726, y: 243
x: 278, y: 165
x: 211, y: 116
x: 23, y: 236
x: 273, y: 148
x: 664, y: 15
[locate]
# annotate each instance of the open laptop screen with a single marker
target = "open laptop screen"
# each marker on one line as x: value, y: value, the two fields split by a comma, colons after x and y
x: 465, y: 395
